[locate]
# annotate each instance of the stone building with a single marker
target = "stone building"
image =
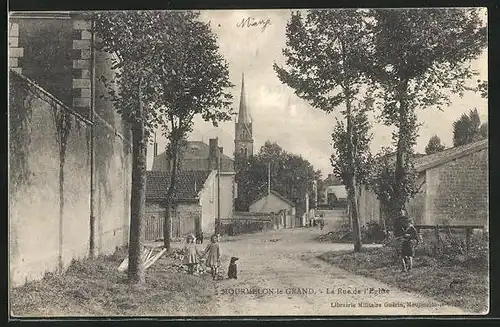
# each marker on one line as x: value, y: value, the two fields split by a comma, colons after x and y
x: 273, y: 202
x: 69, y: 152
x: 453, y: 188
x: 194, y: 205
x: 196, y: 155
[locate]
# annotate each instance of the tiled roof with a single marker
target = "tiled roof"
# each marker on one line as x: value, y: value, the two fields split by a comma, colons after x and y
x: 436, y: 159
x: 189, y: 183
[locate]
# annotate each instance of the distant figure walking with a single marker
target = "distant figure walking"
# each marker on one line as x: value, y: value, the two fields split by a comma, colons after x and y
x: 213, y: 256
x: 190, y: 254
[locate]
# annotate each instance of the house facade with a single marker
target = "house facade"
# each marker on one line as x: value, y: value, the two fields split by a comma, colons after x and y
x: 195, y: 203
x: 273, y: 202
x: 453, y: 188
x: 336, y: 195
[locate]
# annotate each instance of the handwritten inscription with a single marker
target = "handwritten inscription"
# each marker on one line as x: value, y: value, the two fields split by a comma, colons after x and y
x: 251, y: 22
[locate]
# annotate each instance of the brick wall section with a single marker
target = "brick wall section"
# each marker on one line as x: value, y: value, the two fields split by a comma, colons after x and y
x: 458, y: 190
x: 15, y: 52
x: 416, y: 206
x: 81, y: 64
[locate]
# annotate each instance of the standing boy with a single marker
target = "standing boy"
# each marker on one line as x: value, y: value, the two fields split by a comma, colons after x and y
x: 407, y: 248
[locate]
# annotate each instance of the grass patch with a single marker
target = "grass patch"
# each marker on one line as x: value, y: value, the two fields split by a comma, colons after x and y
x: 458, y: 280
x: 96, y: 287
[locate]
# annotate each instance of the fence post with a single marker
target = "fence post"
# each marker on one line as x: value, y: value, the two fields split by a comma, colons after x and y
x: 468, y: 233
x: 436, y: 245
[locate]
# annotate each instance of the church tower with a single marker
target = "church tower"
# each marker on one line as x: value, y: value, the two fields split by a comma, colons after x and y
x: 243, y: 141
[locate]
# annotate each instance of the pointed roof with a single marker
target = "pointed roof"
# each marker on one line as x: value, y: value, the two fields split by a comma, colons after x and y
x: 244, y: 114
x: 263, y: 195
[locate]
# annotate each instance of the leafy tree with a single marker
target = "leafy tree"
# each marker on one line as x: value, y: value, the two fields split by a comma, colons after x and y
x: 482, y: 87
x: 467, y: 128
x: 324, y: 52
x: 383, y: 182
x: 168, y: 71
x: 291, y: 176
x: 418, y: 58
x: 483, y: 130
x: 361, y: 142
x: 434, y: 145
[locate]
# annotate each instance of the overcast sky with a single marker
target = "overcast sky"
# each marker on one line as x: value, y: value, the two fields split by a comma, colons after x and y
x: 278, y: 115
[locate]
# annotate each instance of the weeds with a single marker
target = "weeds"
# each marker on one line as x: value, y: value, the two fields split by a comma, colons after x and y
x: 96, y: 287
x: 454, y: 278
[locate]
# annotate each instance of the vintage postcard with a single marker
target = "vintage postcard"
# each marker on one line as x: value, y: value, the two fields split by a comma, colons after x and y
x: 329, y: 162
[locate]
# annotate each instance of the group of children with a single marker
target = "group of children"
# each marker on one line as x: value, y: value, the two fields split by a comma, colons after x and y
x: 192, y: 256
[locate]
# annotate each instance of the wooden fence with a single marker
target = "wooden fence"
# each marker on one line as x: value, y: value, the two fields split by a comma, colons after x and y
x: 449, y: 229
x: 153, y: 228
x: 233, y: 227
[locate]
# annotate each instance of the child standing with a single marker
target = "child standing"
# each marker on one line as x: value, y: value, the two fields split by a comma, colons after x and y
x: 213, y: 259
x: 407, y: 250
x: 190, y: 254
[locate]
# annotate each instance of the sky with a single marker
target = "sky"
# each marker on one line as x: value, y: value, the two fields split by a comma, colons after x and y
x: 279, y: 115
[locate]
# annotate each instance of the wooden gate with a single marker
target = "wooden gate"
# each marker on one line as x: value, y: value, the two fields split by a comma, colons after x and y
x: 153, y: 228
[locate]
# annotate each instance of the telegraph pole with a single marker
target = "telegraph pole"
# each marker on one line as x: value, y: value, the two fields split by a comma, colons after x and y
x: 217, y: 224
x: 269, y: 178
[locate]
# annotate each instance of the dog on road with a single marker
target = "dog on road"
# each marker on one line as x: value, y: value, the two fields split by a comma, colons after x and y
x: 232, y: 271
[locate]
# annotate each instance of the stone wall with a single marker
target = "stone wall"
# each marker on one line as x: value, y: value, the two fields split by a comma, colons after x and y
x: 49, y: 185
x: 368, y: 206
x: 457, y: 191
x: 416, y: 206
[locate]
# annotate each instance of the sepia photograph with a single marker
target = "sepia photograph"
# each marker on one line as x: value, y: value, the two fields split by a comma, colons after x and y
x: 248, y: 163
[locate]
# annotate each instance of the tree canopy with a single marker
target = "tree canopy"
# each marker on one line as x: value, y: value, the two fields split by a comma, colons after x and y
x: 291, y: 176
x: 361, y: 141
x: 468, y: 128
x: 434, y: 145
x: 418, y: 59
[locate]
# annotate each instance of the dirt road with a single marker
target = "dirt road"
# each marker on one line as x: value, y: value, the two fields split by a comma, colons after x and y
x: 279, y: 274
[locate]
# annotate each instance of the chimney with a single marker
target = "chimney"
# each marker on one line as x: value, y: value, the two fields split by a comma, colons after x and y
x: 213, y: 145
x: 221, y: 151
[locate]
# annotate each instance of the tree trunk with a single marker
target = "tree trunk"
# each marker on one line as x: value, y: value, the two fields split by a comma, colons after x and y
x: 351, y: 187
x: 137, y: 198
x: 399, y: 194
x: 167, y: 223
x: 137, y: 203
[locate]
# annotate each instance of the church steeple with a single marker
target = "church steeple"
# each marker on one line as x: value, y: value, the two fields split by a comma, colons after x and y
x: 243, y: 141
x: 243, y: 115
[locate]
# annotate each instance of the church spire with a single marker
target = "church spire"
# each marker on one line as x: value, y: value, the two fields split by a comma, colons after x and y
x: 244, y: 115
